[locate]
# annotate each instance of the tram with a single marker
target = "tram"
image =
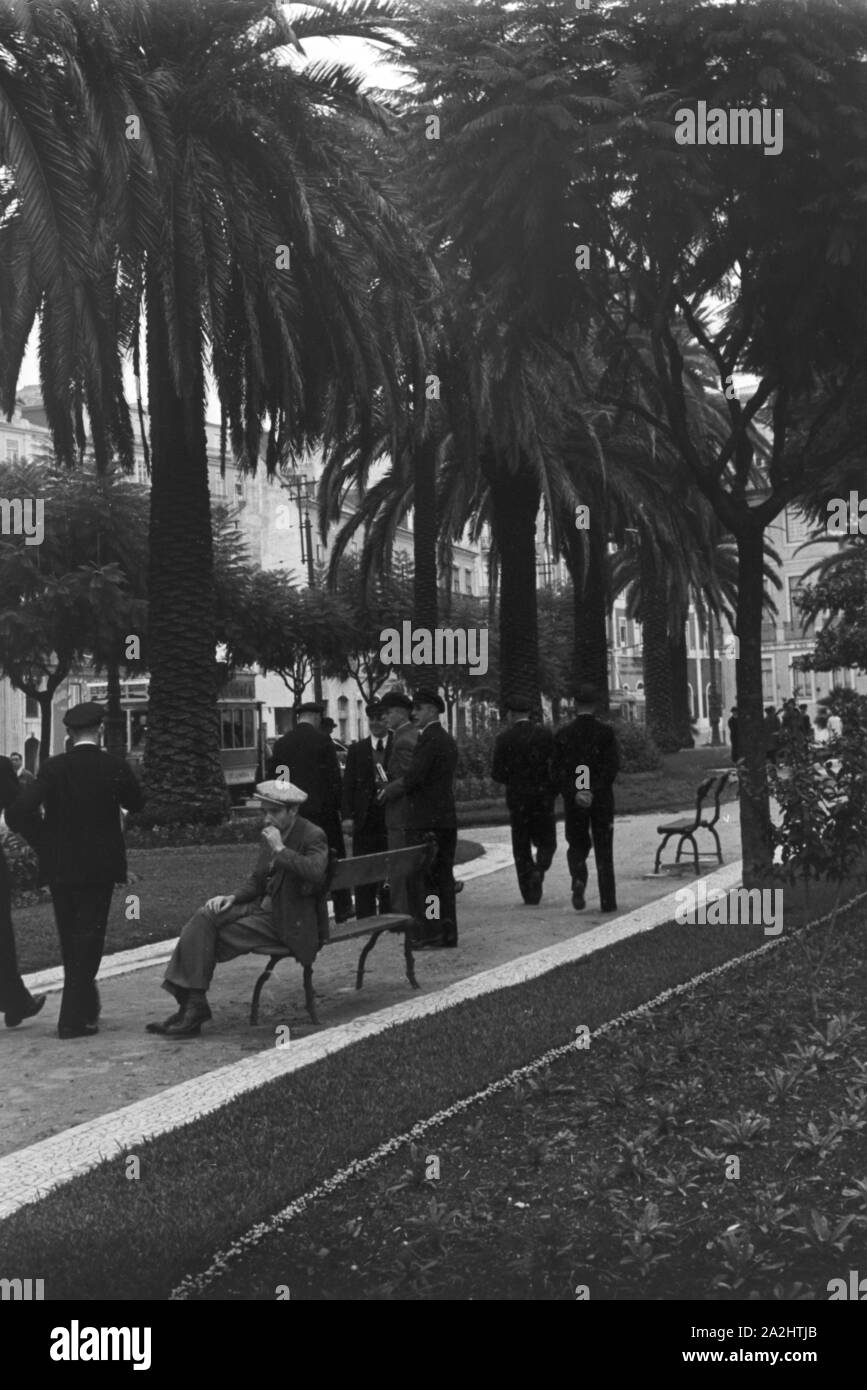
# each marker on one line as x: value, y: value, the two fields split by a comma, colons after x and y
x: 243, y: 752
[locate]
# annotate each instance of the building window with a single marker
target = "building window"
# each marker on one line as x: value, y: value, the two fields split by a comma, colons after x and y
x: 801, y: 682
x: 11, y: 450
x: 456, y: 580
x: 31, y: 707
x: 621, y: 632
x: 797, y: 526
x: 343, y: 719
x: 769, y: 694
x: 468, y: 581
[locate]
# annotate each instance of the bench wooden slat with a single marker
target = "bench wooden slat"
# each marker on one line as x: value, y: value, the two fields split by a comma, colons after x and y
x: 389, y: 864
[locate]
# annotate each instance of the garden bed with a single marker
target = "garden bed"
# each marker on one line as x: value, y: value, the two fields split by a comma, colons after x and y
x: 715, y: 1149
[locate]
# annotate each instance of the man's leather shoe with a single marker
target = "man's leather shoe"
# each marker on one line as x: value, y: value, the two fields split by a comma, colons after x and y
x: 194, y: 1013
x: 13, y: 1017
x: 608, y: 907
x: 577, y: 897
x: 166, y: 1023
x: 459, y: 885
x: 87, y: 1030
x: 427, y: 943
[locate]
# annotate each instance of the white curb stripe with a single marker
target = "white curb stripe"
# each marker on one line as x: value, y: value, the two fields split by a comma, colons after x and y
x: 28, y: 1174
x: 193, y: 1284
x: 50, y: 981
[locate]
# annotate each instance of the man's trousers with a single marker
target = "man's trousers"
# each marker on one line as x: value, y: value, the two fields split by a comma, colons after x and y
x: 329, y: 823
x: 440, y: 879
x: 13, y: 992
x: 211, y: 937
x: 81, y: 913
x: 597, y: 823
x: 533, y: 825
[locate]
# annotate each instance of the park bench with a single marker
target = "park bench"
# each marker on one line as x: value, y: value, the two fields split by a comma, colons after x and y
x: 711, y: 789
x: 404, y: 871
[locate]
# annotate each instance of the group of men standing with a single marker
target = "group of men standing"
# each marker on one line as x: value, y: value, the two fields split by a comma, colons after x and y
x: 398, y: 790
x: 580, y: 763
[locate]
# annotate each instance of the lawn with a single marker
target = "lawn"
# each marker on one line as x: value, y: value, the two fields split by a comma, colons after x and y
x: 170, y: 883
x: 102, y: 1236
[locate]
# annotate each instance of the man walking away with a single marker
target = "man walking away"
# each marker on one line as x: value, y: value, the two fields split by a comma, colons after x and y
x: 806, y: 723
x: 311, y: 759
x: 16, y: 1001
x: 772, y: 729
x: 363, y: 813
x: 586, y: 762
x: 81, y: 854
x: 429, y: 787
x: 522, y: 759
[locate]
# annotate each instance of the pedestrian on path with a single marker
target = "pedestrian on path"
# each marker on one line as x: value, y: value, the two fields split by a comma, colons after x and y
x: 16, y: 1001
x: 396, y: 710
x: 522, y: 759
x: 429, y: 787
x: 733, y: 734
x: 282, y: 904
x: 81, y: 854
x: 363, y: 813
x: 586, y: 762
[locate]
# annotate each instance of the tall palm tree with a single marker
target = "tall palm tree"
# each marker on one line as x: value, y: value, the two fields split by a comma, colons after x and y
x: 249, y: 221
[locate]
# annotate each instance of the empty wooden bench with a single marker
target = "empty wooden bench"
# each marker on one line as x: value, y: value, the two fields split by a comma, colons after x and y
x: 404, y: 871
x: 704, y: 818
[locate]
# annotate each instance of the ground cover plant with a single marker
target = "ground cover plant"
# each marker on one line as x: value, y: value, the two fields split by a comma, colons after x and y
x: 101, y: 1236
x: 713, y: 1149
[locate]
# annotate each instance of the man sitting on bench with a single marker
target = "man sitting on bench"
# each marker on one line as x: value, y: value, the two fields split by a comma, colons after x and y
x: 282, y: 904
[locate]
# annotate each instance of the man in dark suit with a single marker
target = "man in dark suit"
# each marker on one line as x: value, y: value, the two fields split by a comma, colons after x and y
x: 362, y: 811
x: 308, y: 758
x: 429, y: 787
x: 585, y: 764
x: 282, y: 903
x: 81, y: 854
x: 522, y: 759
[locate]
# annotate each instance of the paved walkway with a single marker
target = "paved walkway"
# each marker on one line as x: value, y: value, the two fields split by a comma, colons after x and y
x: 51, y: 1086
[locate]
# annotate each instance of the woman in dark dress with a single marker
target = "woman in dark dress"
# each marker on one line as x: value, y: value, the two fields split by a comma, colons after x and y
x: 16, y: 1001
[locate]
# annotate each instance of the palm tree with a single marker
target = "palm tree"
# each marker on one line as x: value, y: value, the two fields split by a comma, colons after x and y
x: 248, y: 219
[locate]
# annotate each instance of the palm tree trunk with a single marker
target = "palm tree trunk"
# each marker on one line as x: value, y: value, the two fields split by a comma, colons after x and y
x: 680, y: 685
x: 754, y: 803
x: 182, y: 771
x: 591, y: 607
x: 714, y: 703
x: 656, y: 658
x: 514, y: 503
x: 424, y: 536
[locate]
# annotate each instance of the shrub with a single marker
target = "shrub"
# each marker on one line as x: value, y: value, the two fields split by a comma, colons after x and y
x: 638, y: 752
x: 475, y: 754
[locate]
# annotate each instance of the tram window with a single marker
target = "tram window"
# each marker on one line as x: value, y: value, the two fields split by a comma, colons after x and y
x: 226, y: 729
x: 249, y: 729
x: 238, y: 727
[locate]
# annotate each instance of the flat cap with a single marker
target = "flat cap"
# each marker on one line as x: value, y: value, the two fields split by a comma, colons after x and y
x: 396, y: 699
x: 85, y: 716
x: 276, y: 793
x: 426, y: 696
x: 373, y: 710
x: 310, y: 707
x: 518, y: 705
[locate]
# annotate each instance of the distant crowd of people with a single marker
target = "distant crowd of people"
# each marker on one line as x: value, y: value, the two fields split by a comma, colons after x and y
x: 791, y: 726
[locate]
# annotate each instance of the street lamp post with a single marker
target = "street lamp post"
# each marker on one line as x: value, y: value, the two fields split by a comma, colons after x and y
x: 301, y: 489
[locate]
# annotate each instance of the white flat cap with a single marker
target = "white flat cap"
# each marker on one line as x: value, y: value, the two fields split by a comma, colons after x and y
x: 280, y: 793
